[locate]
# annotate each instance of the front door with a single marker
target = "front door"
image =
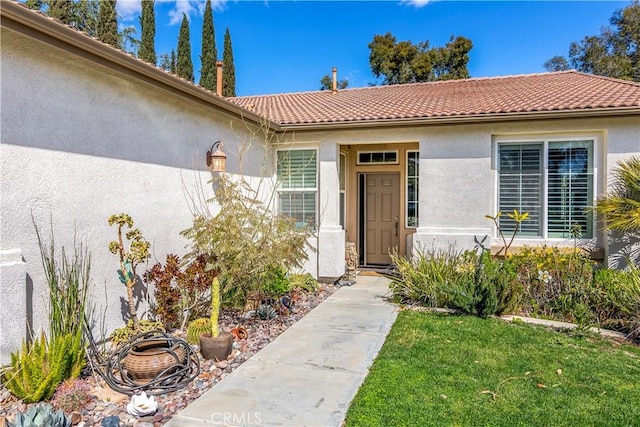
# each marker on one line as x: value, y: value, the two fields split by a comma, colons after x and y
x: 382, y: 211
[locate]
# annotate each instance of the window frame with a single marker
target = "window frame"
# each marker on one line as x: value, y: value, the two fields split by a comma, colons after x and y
x: 360, y: 163
x: 406, y: 183
x: 342, y: 184
x: 545, y: 141
x: 280, y: 190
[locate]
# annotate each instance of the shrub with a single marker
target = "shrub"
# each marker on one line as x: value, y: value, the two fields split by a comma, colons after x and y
x: 430, y: 277
x: 491, y: 290
x: 124, y: 334
x: 244, y: 240
x: 182, y: 292
x: 555, y: 282
x: 72, y: 395
x: 303, y: 282
x: 37, y: 369
x: 275, y: 282
x: 616, y: 299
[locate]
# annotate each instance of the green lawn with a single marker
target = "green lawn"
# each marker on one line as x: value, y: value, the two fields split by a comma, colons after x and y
x: 446, y: 370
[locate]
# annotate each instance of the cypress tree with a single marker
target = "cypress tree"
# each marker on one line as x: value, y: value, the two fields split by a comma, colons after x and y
x: 184, y: 66
x: 209, y: 52
x: 147, y: 50
x: 174, y: 62
x: 59, y: 9
x: 229, y: 70
x: 108, y: 23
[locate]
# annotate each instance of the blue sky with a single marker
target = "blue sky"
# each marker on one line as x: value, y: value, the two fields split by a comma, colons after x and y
x: 287, y: 46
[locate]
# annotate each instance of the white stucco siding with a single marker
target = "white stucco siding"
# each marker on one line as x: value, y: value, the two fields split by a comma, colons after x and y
x: 80, y: 142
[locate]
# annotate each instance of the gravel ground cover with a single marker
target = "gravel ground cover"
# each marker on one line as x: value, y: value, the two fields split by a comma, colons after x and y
x: 106, y: 404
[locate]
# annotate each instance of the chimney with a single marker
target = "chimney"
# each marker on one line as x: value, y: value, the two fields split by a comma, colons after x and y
x: 219, y: 77
x: 334, y: 88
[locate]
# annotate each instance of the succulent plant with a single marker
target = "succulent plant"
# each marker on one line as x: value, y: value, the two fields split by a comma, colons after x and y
x: 41, y: 415
x: 198, y: 327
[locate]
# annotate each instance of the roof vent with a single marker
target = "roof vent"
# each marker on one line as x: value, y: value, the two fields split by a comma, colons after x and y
x: 219, y: 77
x: 334, y: 87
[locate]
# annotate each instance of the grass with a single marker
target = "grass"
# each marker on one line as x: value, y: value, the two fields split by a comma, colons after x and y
x: 444, y: 370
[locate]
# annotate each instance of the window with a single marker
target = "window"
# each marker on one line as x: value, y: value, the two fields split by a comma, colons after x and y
x: 342, y: 177
x: 377, y: 157
x: 413, y: 163
x: 297, y: 178
x: 553, y: 181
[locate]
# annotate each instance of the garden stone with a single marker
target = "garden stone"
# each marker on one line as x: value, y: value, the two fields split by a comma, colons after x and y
x: 112, y: 421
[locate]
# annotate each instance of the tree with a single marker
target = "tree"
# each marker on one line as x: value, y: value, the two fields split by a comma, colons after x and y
x: 34, y: 4
x: 147, y: 51
x: 127, y: 42
x: 108, y: 23
x: 59, y: 9
x: 209, y: 55
x: 621, y: 207
x: 86, y: 14
x: 612, y: 53
x: 327, y: 84
x: 174, y: 62
x: 184, y: 65
x: 229, y: 70
x: 405, y: 62
x: 557, y: 63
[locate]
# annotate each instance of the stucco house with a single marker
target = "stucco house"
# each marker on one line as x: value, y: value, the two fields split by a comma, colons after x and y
x: 88, y: 131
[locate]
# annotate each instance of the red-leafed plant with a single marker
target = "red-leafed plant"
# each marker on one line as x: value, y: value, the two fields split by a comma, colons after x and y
x: 182, y: 292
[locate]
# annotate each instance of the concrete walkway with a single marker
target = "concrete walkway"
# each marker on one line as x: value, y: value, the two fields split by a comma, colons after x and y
x: 310, y: 373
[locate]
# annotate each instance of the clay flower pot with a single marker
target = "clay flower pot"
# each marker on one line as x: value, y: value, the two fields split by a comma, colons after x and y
x: 216, y: 348
x: 147, y: 360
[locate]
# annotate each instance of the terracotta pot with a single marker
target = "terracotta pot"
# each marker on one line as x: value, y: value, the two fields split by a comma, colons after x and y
x: 216, y: 348
x: 146, y: 361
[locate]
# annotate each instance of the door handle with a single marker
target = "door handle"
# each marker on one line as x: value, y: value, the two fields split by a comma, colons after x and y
x: 397, y: 224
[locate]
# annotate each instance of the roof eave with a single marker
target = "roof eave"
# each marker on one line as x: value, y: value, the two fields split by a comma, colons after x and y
x: 465, y: 119
x: 29, y: 23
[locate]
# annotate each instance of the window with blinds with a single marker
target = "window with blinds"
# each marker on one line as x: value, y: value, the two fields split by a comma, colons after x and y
x: 568, y: 180
x: 297, y: 185
x: 570, y: 187
x: 520, y: 186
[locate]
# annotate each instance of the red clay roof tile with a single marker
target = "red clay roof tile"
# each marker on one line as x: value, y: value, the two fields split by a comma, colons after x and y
x: 564, y: 91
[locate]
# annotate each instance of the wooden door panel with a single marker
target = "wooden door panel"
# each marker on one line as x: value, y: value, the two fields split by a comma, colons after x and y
x: 382, y: 210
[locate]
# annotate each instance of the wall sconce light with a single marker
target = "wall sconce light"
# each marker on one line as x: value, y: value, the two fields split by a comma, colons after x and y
x: 217, y: 160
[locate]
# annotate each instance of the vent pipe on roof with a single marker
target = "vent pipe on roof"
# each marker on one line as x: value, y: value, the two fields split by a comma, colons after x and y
x: 334, y: 87
x: 219, y: 77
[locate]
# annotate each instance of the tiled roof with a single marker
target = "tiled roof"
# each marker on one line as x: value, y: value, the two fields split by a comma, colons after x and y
x: 566, y: 91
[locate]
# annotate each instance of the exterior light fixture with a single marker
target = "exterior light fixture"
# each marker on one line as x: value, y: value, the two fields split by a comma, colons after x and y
x: 217, y: 160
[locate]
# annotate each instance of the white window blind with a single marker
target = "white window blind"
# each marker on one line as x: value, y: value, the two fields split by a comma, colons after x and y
x: 520, y: 186
x: 297, y: 185
x: 568, y: 180
x: 570, y: 187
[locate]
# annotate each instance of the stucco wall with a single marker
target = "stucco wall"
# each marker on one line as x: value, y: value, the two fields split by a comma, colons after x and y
x: 458, y: 175
x: 81, y: 142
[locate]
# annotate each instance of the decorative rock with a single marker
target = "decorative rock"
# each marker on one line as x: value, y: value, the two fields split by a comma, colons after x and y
x: 110, y: 407
x: 76, y: 418
x: 112, y: 421
x: 110, y: 410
